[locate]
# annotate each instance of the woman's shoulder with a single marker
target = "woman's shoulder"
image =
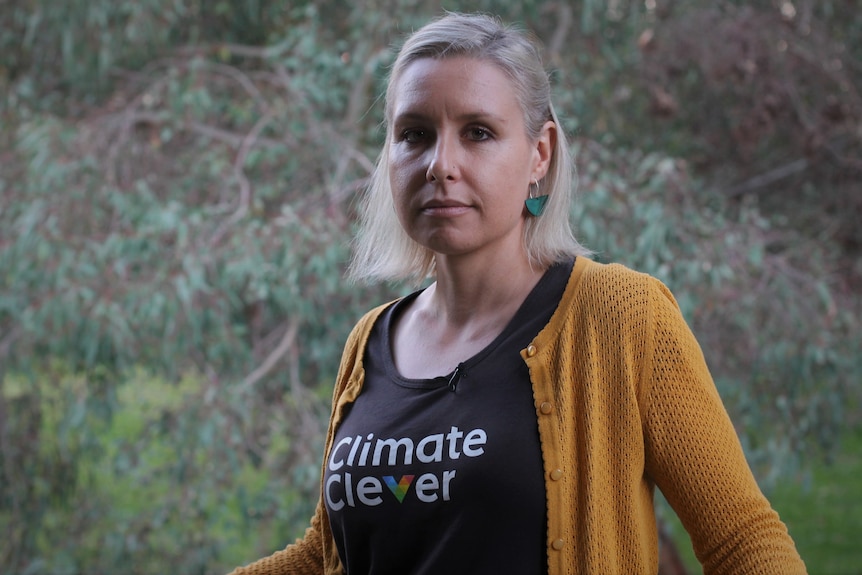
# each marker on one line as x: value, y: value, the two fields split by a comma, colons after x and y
x: 362, y: 328
x: 354, y: 347
x: 616, y: 286
x: 614, y: 278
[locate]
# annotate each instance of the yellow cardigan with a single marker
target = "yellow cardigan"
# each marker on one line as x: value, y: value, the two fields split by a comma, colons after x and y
x: 624, y: 402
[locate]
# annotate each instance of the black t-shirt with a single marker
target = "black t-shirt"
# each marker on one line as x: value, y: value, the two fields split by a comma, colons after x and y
x: 444, y: 475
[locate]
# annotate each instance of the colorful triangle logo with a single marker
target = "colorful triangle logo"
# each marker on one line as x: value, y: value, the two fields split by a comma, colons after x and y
x: 400, y: 488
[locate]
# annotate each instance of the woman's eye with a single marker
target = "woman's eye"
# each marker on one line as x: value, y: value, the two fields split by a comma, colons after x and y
x: 413, y: 136
x: 478, y: 134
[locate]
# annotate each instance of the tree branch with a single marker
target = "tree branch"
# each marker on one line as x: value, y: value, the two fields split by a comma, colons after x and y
x: 8, y: 340
x: 558, y: 38
x: 286, y: 343
x: 768, y: 178
x: 233, y: 139
x: 225, y: 49
x: 245, y: 191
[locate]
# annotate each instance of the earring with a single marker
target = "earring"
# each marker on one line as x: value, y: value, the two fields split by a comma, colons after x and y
x: 536, y: 205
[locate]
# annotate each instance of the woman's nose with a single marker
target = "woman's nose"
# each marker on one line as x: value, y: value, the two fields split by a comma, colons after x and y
x: 444, y: 162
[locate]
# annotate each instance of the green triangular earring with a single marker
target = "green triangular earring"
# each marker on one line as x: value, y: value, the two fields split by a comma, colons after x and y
x: 536, y: 205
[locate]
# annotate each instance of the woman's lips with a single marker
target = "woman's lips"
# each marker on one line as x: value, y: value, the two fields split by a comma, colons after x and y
x: 444, y: 208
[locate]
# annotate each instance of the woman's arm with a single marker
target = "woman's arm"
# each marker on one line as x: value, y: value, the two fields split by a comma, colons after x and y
x: 695, y: 457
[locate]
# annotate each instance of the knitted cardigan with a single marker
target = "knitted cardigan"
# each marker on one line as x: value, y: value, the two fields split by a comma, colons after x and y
x: 624, y: 403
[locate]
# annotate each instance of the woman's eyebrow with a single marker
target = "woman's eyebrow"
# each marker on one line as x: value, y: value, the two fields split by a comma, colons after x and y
x: 413, y: 116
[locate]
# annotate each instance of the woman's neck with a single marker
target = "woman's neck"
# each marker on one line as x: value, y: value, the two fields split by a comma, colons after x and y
x: 468, y: 291
x: 461, y: 313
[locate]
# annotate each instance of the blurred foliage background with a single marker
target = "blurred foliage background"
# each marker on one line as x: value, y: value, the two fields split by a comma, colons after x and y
x: 178, y: 180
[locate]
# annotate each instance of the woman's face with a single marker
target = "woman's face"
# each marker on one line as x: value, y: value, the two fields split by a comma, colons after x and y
x: 460, y: 159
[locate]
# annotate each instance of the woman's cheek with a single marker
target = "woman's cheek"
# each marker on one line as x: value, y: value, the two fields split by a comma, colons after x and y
x: 404, y: 174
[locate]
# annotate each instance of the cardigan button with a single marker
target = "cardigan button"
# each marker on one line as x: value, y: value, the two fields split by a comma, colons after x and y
x: 531, y: 350
x: 558, y: 544
x: 546, y: 408
x: 557, y: 474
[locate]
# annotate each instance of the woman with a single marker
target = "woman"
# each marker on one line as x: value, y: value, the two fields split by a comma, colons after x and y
x: 516, y: 415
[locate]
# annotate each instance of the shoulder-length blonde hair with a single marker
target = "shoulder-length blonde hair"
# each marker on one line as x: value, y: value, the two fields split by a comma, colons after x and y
x: 382, y: 249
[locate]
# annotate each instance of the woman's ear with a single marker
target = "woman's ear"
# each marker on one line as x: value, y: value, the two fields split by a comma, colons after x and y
x: 544, y: 149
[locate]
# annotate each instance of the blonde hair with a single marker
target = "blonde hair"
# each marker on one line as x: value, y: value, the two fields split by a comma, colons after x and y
x: 382, y: 249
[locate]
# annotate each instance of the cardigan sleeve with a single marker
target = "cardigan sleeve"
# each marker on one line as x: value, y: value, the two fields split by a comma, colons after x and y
x: 316, y: 553
x: 694, y: 456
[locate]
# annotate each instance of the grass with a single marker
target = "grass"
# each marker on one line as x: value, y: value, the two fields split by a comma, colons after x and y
x: 824, y: 517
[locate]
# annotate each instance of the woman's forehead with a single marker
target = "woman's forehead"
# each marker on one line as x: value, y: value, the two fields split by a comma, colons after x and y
x: 468, y: 84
